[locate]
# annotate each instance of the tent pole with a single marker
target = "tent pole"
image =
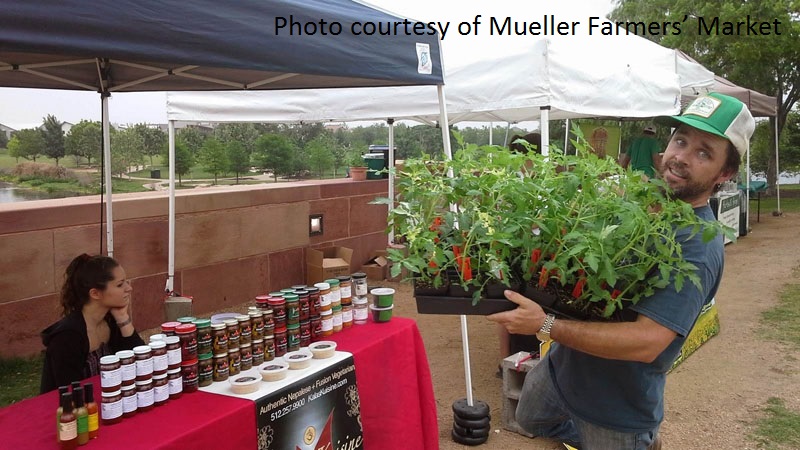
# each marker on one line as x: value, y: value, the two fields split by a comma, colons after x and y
x: 505, y: 140
x: 390, y: 164
x: 566, y: 136
x: 107, y: 174
x: 491, y: 125
x: 747, y: 193
x: 449, y: 155
x: 171, y: 262
x: 544, y: 124
x: 777, y: 170
x: 619, y: 143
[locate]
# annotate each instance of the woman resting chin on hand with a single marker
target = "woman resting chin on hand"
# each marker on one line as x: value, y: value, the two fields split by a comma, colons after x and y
x: 97, y: 322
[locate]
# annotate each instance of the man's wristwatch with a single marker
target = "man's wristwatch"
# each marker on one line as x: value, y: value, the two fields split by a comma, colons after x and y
x: 544, y: 333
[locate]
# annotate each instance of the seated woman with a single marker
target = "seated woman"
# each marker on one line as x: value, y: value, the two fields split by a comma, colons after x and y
x: 95, y: 299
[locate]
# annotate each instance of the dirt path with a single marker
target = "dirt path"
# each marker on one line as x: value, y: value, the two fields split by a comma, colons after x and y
x: 711, y: 398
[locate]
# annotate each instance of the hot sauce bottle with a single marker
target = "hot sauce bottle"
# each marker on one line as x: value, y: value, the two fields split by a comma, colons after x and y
x: 67, y: 424
x: 82, y: 415
x: 91, y: 409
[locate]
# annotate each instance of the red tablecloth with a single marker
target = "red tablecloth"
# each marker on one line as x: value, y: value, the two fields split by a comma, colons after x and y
x: 195, y: 420
x: 398, y: 410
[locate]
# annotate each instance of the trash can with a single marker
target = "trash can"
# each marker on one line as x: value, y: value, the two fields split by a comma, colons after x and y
x: 155, y: 173
x: 375, y: 163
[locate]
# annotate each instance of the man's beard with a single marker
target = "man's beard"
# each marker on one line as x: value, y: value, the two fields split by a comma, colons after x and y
x: 691, y: 189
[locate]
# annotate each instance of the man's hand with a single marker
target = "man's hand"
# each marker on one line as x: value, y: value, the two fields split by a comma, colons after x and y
x: 527, y: 318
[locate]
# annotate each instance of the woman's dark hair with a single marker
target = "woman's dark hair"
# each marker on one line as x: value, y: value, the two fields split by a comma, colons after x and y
x: 535, y: 139
x: 83, y: 274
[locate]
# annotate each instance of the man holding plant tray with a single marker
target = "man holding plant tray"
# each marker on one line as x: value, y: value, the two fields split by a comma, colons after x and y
x: 601, y: 385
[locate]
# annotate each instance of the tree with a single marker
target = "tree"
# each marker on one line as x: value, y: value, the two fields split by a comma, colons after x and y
x: 319, y: 153
x: 53, y: 135
x: 153, y: 140
x: 30, y: 144
x: 238, y: 158
x: 767, y: 63
x: 192, y: 138
x: 213, y: 157
x: 274, y: 152
x: 126, y: 151
x: 84, y: 140
x: 13, y: 148
x: 3, y: 139
x: 183, y: 159
x: 244, y: 133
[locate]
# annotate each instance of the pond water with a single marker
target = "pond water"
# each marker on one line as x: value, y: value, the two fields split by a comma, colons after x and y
x: 10, y: 193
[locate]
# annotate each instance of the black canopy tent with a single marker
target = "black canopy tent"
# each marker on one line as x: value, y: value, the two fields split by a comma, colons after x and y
x: 156, y: 45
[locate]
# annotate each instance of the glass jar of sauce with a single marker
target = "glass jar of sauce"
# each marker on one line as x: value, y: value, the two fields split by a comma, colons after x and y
x: 245, y: 329
x: 232, y: 326
x: 324, y: 296
x: 175, y: 383
x: 345, y: 289
x: 144, y: 395
x: 281, y: 342
x: 360, y: 288
x: 220, y: 363
x: 127, y: 366
x: 160, y: 389
x: 234, y: 361
x: 189, y: 375
x: 258, y: 352
x: 111, y: 407
x: 292, y: 337
x: 144, y: 362
x: 292, y: 308
x: 204, y: 336
x: 129, y: 401
x: 187, y: 333
x: 336, y: 295
x: 257, y: 324
x: 160, y: 359
x: 205, y: 370
x: 278, y: 305
x: 246, y: 351
x: 326, y: 322
x: 269, y: 347
x: 110, y: 373
x: 219, y: 341
x: 313, y: 300
x: 173, y: 352
x: 305, y: 333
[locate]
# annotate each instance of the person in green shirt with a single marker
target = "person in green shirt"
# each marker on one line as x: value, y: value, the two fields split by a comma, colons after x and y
x: 644, y: 153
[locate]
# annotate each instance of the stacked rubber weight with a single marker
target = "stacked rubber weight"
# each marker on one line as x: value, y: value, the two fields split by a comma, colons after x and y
x: 471, y: 424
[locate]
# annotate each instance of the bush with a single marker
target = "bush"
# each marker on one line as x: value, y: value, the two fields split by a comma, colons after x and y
x: 30, y: 170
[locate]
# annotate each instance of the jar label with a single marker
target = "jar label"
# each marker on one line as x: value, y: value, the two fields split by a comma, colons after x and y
x: 174, y: 356
x: 110, y: 378
x: 144, y: 398
x: 175, y: 385
x: 327, y: 324
x: 144, y: 367
x: 111, y: 410
x: 336, y: 297
x: 360, y: 313
x: 345, y: 292
x: 337, y: 320
x: 161, y: 393
x: 160, y: 362
x: 361, y: 289
x: 128, y: 371
x: 129, y: 403
x: 347, y: 315
x: 325, y: 300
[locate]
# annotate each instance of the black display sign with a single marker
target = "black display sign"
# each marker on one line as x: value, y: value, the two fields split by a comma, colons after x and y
x: 318, y: 412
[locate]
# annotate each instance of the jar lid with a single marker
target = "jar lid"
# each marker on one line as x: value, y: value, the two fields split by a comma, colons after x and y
x: 230, y: 322
x: 129, y: 387
x: 360, y: 300
x: 218, y: 326
x: 276, y: 294
x: 166, y: 326
x: 299, y: 286
x: 187, y: 319
x: 287, y: 290
x: 232, y: 350
x: 176, y: 370
x: 292, y: 326
x: 255, y: 313
x: 290, y: 297
x: 326, y: 313
x: 277, y: 301
x: 280, y: 330
x: 172, y: 340
x: 322, y: 286
x: 185, y: 328
x: 158, y: 344
x: 261, y: 298
x: 141, y: 349
x: 269, y: 336
x: 109, y: 359
x: 159, y: 377
x: 337, y: 308
x: 243, y: 318
x: 189, y: 362
x: 240, y: 346
x: 157, y: 337
x: 359, y: 275
x: 312, y: 289
x: 122, y: 354
x: 332, y: 281
x: 258, y: 341
x: 203, y: 356
x: 301, y: 292
x: 343, y: 278
x: 221, y: 355
x: 144, y: 382
x: 112, y: 394
x: 202, y: 323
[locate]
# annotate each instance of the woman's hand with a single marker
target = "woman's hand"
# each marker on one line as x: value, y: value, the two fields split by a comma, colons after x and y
x: 527, y: 318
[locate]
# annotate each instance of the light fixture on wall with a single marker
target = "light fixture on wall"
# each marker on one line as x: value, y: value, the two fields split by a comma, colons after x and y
x: 315, y: 224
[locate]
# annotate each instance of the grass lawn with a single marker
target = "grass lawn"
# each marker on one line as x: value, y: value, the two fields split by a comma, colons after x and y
x: 21, y: 377
x: 8, y: 162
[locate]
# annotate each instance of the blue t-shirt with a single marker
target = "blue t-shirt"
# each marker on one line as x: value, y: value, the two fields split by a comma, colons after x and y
x: 628, y: 396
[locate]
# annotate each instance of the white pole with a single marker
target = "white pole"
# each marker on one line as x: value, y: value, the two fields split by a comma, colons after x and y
x: 491, y: 126
x: 747, y: 192
x: 544, y: 121
x: 171, y: 259
x: 566, y: 137
x: 449, y: 154
x: 777, y: 170
x: 391, y: 174
x: 107, y: 176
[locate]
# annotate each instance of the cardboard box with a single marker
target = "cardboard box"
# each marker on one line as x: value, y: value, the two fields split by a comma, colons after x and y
x: 377, y: 268
x: 325, y: 263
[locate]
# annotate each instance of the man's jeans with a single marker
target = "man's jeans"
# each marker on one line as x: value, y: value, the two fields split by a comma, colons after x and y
x: 542, y: 413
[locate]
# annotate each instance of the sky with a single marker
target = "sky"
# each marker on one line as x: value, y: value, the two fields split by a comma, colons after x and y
x: 26, y: 108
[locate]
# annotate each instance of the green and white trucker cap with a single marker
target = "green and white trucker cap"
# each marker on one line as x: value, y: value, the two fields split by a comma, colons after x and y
x: 718, y: 114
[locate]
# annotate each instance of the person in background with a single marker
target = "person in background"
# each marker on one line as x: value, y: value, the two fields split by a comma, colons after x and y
x: 601, y: 384
x: 535, y: 139
x: 643, y: 154
x: 95, y: 299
